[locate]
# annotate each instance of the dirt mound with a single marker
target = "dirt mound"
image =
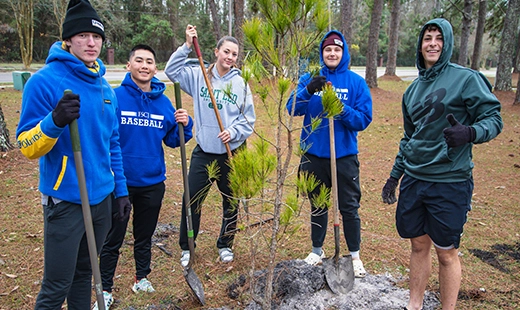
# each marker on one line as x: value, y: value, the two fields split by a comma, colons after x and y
x: 389, y: 78
x: 298, y: 285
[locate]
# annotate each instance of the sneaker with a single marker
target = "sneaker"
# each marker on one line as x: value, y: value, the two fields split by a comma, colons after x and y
x: 315, y: 259
x: 143, y: 286
x: 109, y: 300
x: 226, y: 255
x: 185, y: 258
x: 359, y: 270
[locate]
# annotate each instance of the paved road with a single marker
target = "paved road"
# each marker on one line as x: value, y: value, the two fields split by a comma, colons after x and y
x: 407, y: 73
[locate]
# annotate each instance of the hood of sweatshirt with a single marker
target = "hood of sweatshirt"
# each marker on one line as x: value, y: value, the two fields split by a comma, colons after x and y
x: 345, y: 60
x: 447, y: 49
x: 157, y: 88
x: 65, y: 58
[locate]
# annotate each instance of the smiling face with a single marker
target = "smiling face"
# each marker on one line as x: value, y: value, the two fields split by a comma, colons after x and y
x: 226, y: 55
x: 431, y: 46
x: 332, y: 55
x: 86, y: 46
x: 142, y: 68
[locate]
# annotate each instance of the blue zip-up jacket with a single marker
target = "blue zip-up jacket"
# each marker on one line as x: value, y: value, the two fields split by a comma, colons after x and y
x: 353, y: 92
x: 39, y: 137
x: 146, y: 121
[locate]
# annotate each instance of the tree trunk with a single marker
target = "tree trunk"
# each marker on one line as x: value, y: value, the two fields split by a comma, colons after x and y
x: 479, y: 36
x: 238, y: 6
x: 516, y: 68
x: 24, y: 14
x: 59, y: 11
x: 466, y: 31
x: 373, y: 44
x: 173, y: 17
x: 215, y: 18
x: 393, y: 43
x: 505, y: 58
x: 5, y: 144
x: 517, y: 97
x: 346, y: 22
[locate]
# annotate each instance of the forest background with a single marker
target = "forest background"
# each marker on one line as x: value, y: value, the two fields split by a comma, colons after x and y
x: 161, y: 24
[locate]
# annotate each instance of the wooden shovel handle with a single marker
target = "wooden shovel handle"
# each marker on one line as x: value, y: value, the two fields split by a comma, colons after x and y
x: 334, y: 194
x: 85, y: 208
x: 210, y: 90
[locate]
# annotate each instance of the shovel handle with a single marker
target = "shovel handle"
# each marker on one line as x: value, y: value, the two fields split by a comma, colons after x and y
x: 210, y: 91
x: 334, y: 181
x: 85, y: 207
x: 191, y: 242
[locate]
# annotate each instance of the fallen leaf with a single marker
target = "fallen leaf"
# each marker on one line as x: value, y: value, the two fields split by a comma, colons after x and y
x: 12, y: 276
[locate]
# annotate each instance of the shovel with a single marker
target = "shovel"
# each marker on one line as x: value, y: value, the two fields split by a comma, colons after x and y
x: 85, y: 207
x: 339, y: 272
x: 190, y: 275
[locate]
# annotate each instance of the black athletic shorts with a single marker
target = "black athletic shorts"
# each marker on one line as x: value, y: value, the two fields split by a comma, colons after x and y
x: 436, y: 209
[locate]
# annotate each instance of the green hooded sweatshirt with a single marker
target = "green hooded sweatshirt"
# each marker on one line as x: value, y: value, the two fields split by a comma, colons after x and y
x: 440, y: 90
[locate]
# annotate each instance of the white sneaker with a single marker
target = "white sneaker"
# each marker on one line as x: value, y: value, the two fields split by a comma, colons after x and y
x: 109, y: 300
x: 359, y: 270
x: 226, y: 255
x: 185, y: 258
x: 143, y: 286
x: 315, y: 259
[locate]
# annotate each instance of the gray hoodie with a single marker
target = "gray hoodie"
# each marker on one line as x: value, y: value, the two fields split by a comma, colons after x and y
x: 235, y: 106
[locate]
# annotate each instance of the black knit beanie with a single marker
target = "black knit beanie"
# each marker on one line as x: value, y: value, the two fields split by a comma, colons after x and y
x: 81, y: 17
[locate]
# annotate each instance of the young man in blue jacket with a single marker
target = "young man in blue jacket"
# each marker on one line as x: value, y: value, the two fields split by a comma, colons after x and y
x: 353, y: 92
x: 147, y: 119
x: 446, y: 110
x: 43, y: 133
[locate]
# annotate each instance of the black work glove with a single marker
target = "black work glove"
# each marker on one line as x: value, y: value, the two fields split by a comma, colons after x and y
x: 123, y: 208
x: 316, y: 84
x: 66, y: 110
x: 388, y: 193
x: 458, y: 134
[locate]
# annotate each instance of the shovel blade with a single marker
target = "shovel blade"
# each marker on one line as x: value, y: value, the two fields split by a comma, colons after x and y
x: 339, y: 274
x: 194, y: 283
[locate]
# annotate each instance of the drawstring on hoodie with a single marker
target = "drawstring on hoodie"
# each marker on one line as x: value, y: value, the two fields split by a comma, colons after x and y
x: 145, y: 98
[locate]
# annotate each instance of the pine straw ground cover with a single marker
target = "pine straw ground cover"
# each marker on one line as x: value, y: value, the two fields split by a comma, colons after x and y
x: 490, y: 249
